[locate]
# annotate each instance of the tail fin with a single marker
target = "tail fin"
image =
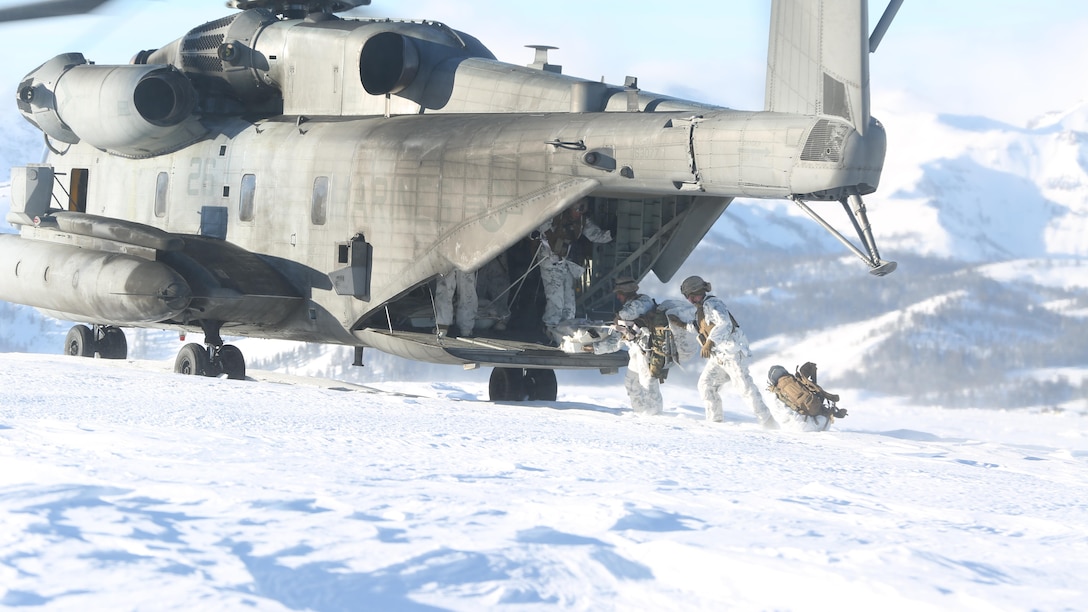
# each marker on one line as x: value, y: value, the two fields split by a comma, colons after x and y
x: 818, y: 59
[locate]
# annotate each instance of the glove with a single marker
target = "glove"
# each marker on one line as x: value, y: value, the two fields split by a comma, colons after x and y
x: 707, y: 348
x: 587, y: 348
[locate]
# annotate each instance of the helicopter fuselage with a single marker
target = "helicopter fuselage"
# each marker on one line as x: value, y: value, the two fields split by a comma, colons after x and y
x: 430, y: 193
x: 309, y: 179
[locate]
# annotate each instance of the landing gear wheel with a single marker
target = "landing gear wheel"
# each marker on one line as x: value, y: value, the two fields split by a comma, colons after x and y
x: 113, y: 344
x: 506, y: 385
x: 79, y: 342
x: 231, y: 362
x: 540, y: 385
x: 192, y: 360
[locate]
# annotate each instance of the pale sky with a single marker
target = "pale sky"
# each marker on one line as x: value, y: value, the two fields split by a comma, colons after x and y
x: 1009, y: 60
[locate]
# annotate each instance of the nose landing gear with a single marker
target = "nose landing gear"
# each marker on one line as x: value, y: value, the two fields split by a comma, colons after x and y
x: 106, y: 340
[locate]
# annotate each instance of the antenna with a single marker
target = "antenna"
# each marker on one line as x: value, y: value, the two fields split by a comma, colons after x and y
x: 540, y: 60
x: 882, y: 25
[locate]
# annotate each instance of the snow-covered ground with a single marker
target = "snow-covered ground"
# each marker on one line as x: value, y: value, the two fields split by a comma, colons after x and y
x: 125, y: 486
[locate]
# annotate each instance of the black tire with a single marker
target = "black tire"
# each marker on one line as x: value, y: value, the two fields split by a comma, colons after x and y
x: 113, y: 345
x: 506, y: 385
x: 540, y: 385
x: 232, y: 363
x: 192, y: 360
x: 79, y: 342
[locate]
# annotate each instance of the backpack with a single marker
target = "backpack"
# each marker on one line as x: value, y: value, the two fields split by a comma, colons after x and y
x: 659, y: 343
x: 801, y: 393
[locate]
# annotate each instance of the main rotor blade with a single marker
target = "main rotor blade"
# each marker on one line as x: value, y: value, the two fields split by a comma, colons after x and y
x: 883, y: 24
x: 303, y: 6
x: 49, y: 8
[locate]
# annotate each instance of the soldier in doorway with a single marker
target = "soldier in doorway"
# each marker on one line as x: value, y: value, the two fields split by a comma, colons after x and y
x: 493, y: 287
x: 557, y: 271
x: 460, y: 287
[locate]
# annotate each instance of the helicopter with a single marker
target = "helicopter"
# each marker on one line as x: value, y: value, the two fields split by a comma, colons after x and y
x: 285, y: 172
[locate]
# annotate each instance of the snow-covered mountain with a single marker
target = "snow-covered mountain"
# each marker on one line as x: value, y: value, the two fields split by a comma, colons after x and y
x: 988, y: 305
x: 987, y: 308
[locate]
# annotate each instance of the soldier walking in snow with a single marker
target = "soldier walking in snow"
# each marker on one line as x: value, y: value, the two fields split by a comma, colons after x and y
x: 725, y: 348
x: 643, y: 389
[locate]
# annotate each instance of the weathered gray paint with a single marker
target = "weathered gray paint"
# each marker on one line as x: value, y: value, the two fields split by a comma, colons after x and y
x: 463, y: 158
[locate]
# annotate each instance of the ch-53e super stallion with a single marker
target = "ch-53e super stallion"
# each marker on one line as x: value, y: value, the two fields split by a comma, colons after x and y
x: 284, y: 172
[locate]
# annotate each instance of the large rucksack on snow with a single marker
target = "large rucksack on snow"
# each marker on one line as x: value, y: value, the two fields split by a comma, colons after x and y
x: 800, y: 392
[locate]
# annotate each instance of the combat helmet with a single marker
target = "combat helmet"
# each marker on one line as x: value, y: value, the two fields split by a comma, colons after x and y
x: 694, y: 284
x: 775, y: 373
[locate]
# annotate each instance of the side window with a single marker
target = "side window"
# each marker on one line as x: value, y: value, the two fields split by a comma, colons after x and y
x: 162, y: 183
x: 319, y: 205
x: 245, y: 197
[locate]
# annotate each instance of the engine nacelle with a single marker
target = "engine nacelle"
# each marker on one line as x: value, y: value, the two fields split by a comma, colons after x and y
x: 219, y: 55
x: 388, y: 63
x: 135, y: 111
x: 254, y: 62
x: 334, y: 67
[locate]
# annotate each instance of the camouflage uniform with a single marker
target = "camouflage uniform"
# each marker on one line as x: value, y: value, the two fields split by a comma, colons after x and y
x: 728, y: 362
x: 557, y: 273
x: 643, y: 390
x: 463, y: 284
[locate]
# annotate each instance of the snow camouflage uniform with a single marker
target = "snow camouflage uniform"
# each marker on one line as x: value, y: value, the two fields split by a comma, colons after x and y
x: 557, y: 273
x: 728, y: 362
x: 643, y: 390
x: 463, y: 284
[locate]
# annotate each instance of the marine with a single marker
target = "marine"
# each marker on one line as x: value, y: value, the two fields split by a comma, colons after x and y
x: 725, y: 348
x: 643, y: 389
